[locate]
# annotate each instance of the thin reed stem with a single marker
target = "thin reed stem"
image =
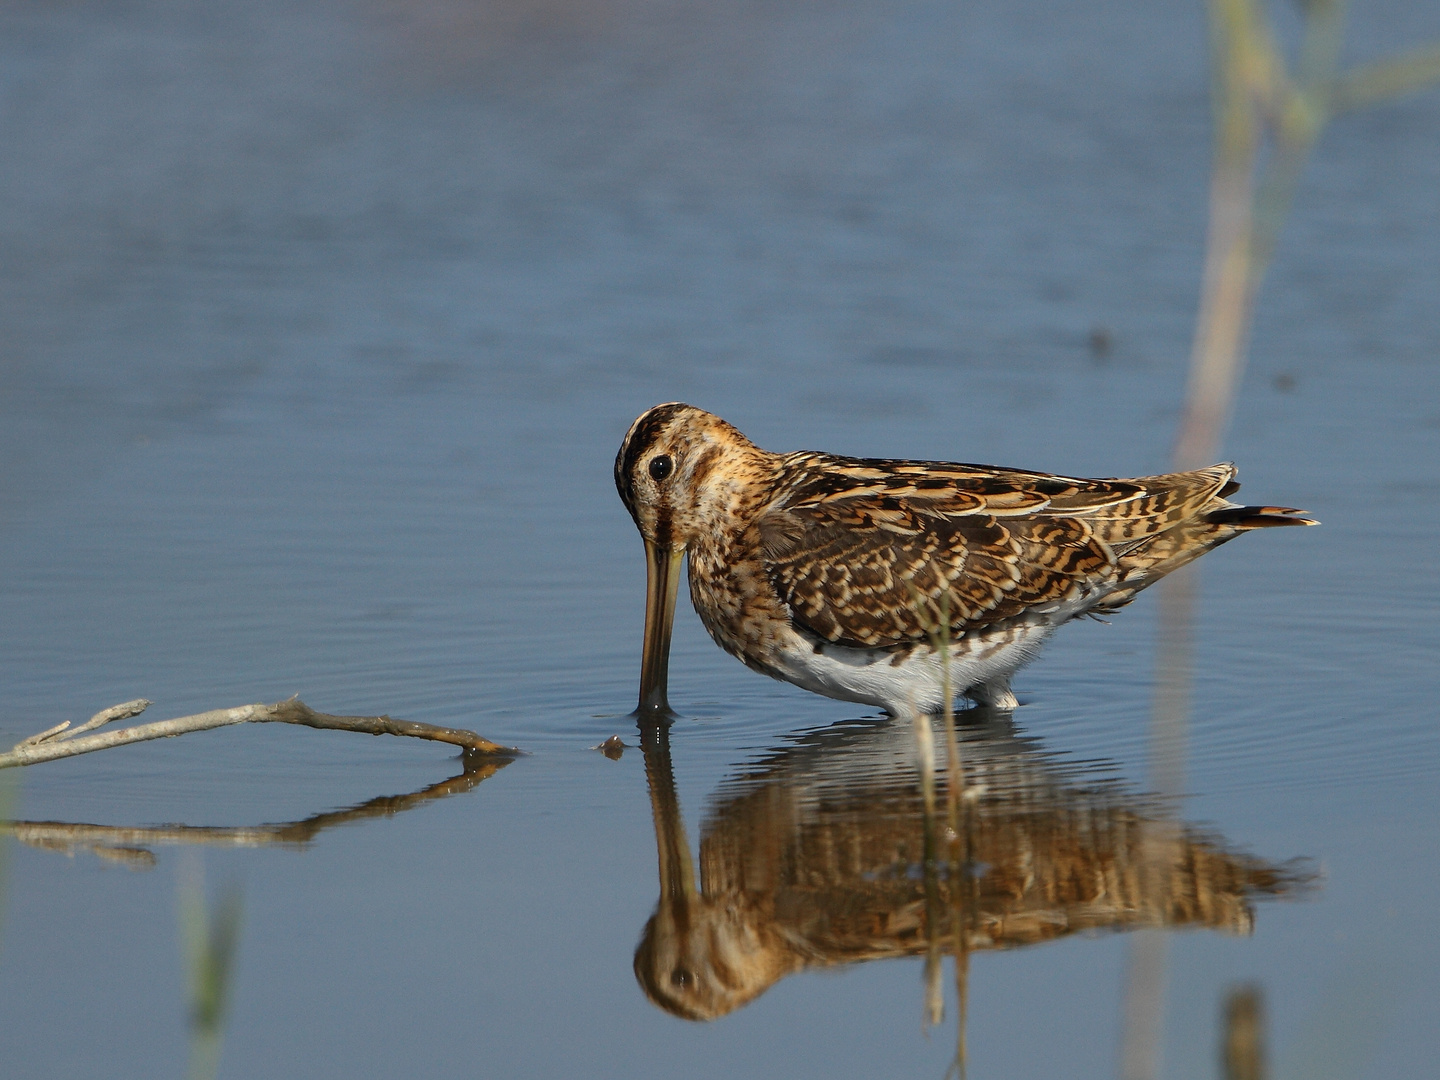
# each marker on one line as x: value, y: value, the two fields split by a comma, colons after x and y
x: 1266, y: 125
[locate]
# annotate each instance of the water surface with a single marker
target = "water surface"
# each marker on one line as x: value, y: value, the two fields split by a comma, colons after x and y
x: 322, y: 325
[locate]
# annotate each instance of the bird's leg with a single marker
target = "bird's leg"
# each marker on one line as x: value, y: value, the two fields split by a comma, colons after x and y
x: 995, y: 694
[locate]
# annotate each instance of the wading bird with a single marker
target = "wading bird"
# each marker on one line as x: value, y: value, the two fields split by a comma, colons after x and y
x: 853, y: 577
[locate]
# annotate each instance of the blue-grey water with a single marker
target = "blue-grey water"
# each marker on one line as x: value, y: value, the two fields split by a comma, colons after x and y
x: 320, y: 324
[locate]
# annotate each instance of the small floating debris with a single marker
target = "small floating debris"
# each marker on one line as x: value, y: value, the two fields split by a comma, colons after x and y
x: 612, y: 748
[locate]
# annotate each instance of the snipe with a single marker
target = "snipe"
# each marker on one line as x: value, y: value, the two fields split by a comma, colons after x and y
x: 836, y: 573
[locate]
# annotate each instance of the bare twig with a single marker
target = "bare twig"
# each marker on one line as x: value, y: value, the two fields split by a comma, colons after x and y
x: 59, y: 742
x: 63, y: 730
x: 114, y: 712
x: 48, y: 733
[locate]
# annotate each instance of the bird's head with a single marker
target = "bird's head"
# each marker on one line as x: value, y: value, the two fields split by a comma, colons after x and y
x: 681, y: 472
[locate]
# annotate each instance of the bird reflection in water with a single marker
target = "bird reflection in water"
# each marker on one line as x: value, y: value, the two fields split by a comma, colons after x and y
x: 823, y: 854
x: 131, y: 846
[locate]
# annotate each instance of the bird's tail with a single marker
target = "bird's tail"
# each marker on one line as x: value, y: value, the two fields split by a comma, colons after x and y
x: 1259, y: 517
x: 1166, y: 552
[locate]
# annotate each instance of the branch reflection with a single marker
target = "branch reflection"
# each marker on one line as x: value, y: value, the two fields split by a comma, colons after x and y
x: 816, y: 856
x: 131, y: 846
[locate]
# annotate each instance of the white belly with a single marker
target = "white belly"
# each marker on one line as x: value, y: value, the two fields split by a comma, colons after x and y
x: 914, y: 681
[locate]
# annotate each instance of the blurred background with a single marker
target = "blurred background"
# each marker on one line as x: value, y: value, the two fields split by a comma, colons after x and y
x: 320, y: 324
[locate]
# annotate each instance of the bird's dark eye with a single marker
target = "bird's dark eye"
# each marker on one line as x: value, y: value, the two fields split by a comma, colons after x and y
x: 661, y: 466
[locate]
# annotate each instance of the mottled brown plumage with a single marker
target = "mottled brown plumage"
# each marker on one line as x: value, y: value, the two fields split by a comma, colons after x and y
x: 838, y: 573
x: 817, y: 856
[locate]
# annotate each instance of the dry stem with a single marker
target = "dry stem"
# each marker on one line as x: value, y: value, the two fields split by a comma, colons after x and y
x: 60, y: 741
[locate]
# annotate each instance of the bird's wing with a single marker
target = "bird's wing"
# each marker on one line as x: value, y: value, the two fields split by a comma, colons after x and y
x: 875, y: 553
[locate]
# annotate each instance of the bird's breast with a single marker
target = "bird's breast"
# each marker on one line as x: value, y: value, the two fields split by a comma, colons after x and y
x: 737, y: 603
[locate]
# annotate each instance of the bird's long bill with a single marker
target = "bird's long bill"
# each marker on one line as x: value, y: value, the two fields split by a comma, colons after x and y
x: 662, y: 582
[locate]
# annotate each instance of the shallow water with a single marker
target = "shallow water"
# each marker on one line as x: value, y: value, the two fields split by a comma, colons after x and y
x: 322, y: 325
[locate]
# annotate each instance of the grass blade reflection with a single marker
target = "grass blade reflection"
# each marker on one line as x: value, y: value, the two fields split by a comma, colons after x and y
x: 209, y: 937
